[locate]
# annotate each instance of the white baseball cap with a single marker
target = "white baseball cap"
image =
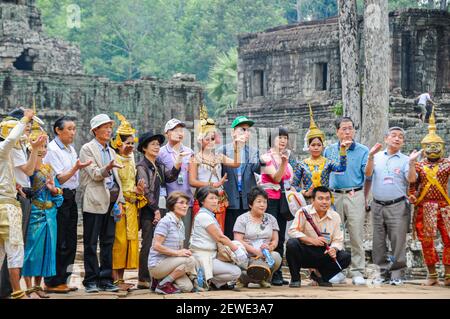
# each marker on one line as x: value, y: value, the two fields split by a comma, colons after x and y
x: 172, y: 124
x: 99, y: 120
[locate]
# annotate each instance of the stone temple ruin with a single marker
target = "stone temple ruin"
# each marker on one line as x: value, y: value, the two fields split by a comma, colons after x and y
x: 50, y: 70
x: 282, y: 69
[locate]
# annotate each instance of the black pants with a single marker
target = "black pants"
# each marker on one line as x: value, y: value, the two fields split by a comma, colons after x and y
x: 147, y: 229
x: 95, y: 227
x: 66, y: 244
x: 273, y: 208
x: 299, y: 256
x: 5, y: 285
x: 429, y: 108
x: 230, y: 218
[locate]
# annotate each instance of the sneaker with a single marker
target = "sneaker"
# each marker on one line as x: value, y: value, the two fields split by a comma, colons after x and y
x: 277, y: 279
x: 378, y: 281
x: 396, y: 282
x: 339, y: 278
x: 319, y: 280
x: 91, y: 288
x: 167, y: 289
x: 358, y: 281
x: 294, y: 284
x: 109, y: 287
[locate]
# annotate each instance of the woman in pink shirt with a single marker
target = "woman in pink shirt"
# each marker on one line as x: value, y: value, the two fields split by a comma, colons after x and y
x: 275, y: 169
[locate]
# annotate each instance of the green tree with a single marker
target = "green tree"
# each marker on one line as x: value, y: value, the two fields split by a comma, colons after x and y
x: 222, y: 82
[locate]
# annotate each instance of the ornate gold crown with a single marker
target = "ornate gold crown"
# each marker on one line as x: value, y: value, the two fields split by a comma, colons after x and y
x: 36, y: 129
x: 124, y: 128
x: 432, y: 137
x: 206, y: 124
x: 314, y: 131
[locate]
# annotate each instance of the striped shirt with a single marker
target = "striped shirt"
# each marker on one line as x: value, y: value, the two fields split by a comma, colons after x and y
x: 172, y: 229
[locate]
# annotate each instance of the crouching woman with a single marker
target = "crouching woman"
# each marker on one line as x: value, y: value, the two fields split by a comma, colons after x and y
x: 172, y: 268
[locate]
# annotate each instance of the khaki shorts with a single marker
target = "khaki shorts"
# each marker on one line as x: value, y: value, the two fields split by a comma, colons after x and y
x: 14, y: 254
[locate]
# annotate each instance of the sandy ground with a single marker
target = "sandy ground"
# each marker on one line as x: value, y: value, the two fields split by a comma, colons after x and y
x: 411, y: 289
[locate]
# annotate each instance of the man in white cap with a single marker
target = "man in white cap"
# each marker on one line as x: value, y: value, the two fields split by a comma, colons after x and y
x: 175, y: 132
x: 102, y: 197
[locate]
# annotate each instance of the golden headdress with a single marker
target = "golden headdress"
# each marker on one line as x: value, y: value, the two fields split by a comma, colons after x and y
x: 36, y: 129
x: 314, y: 131
x: 432, y: 137
x: 7, y: 125
x: 124, y: 128
x: 206, y: 124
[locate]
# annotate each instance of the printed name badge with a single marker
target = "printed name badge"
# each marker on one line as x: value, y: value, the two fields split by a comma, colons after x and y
x: 388, y: 180
x: 327, y: 236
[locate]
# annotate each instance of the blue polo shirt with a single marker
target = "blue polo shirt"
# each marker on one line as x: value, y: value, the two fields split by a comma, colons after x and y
x: 353, y: 176
x: 390, y: 176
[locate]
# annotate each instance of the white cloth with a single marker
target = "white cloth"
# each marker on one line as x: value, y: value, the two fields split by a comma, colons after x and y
x: 200, y: 238
x: 14, y: 254
x: 62, y: 159
x: 19, y: 158
x: 423, y: 98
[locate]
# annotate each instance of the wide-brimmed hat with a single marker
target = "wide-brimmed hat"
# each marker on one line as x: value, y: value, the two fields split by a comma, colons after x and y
x: 99, y: 120
x: 147, y: 137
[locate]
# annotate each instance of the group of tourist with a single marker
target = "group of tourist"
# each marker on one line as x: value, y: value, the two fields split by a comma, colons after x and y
x: 215, y: 219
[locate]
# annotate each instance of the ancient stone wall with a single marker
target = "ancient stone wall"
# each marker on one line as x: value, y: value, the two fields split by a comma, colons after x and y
x: 147, y: 103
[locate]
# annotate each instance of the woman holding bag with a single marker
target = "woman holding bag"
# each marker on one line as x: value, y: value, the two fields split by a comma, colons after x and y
x: 276, y: 173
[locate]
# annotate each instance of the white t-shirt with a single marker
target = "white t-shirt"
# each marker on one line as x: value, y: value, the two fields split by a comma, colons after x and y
x: 423, y: 98
x: 200, y: 238
x: 19, y: 158
x: 62, y: 159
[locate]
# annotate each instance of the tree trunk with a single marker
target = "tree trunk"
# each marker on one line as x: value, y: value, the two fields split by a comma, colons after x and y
x: 348, y: 29
x: 376, y: 80
x: 444, y: 5
x: 298, y: 8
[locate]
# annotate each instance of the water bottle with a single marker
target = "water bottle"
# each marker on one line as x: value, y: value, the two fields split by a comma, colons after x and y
x: 269, y: 259
x: 116, y: 212
x: 200, y: 277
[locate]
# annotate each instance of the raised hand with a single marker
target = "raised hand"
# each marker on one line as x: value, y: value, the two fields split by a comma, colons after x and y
x: 28, y: 113
x: 40, y: 141
x: 140, y: 187
x: 221, y: 182
x: 346, y: 144
x: 414, y: 155
x: 375, y: 149
x: 113, y: 164
x: 50, y: 183
x: 79, y: 165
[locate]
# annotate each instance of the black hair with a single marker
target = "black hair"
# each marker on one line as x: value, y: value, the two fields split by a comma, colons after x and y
x: 123, y: 138
x: 203, y: 192
x: 255, y: 192
x: 60, y: 122
x: 322, y: 189
x: 340, y: 120
x: 280, y: 131
x: 313, y: 138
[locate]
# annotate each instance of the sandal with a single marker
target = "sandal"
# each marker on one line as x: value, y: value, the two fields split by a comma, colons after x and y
x: 447, y: 280
x: 19, y: 294
x: 122, y: 285
x: 40, y: 292
x: 32, y: 293
x: 432, y: 280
